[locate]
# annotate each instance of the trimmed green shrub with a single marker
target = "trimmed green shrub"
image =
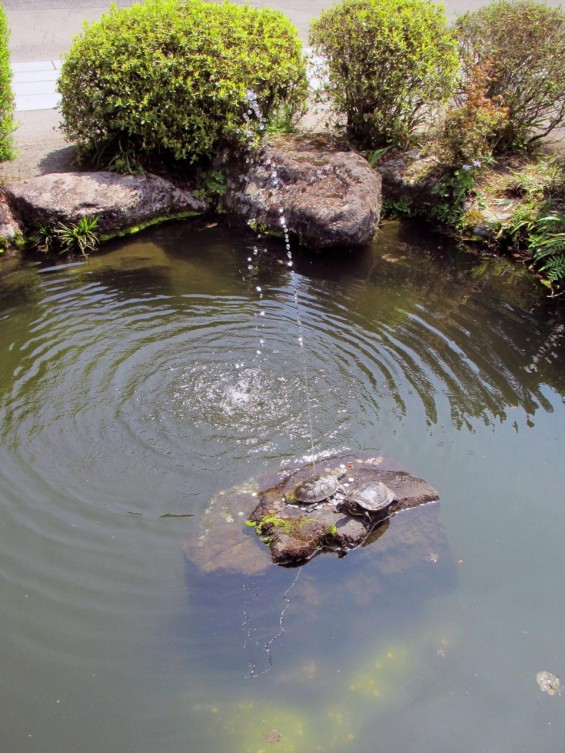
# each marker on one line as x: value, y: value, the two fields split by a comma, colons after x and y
x: 523, y: 44
x: 172, y: 80
x: 390, y: 64
x: 7, y: 124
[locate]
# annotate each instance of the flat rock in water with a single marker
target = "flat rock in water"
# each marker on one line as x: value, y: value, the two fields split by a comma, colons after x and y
x: 327, y: 194
x: 119, y: 202
x: 291, y: 535
x: 295, y: 533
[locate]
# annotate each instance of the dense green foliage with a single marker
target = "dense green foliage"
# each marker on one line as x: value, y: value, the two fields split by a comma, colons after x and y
x: 7, y: 125
x: 391, y: 63
x: 539, y: 229
x: 547, y: 244
x: 172, y: 80
x: 522, y: 42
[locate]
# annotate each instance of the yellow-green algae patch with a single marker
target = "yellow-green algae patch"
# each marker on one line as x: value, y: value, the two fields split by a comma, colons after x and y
x: 133, y: 229
x: 380, y: 673
x: 257, y: 727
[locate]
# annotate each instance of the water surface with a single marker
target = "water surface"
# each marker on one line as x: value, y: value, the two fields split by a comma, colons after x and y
x: 137, y: 385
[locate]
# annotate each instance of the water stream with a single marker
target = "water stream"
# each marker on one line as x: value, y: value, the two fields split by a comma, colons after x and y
x: 131, y: 393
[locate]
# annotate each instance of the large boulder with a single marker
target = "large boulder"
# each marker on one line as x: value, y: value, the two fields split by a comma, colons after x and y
x: 120, y: 202
x: 327, y: 194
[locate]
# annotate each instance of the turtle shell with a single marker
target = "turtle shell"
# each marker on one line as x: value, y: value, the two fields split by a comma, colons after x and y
x: 369, y: 497
x: 315, y: 489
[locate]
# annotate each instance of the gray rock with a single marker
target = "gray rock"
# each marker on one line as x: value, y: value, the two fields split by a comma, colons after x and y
x: 328, y: 195
x: 120, y: 202
x: 410, y: 176
x: 9, y: 225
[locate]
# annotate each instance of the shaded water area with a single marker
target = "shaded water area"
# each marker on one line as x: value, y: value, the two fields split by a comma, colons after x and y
x: 135, y: 387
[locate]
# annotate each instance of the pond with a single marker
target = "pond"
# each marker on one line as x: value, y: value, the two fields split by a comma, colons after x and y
x: 138, y: 385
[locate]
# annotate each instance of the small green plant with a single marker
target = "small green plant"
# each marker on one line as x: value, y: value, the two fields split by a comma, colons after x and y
x: 540, y: 232
x: 168, y: 81
x: 7, y: 124
x: 547, y: 244
x: 376, y: 155
x: 80, y: 236
x: 44, y: 239
x: 523, y: 44
x: 401, y: 207
x: 285, y: 118
x: 391, y: 63
x: 211, y: 185
x: 452, y: 191
x: 523, y: 221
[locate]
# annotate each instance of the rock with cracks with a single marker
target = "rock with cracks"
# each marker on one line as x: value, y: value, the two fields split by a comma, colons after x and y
x: 121, y: 203
x: 327, y: 194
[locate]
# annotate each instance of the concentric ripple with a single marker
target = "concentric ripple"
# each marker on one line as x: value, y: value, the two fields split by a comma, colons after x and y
x: 146, y: 384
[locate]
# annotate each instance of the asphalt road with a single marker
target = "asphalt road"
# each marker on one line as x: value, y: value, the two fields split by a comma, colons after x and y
x: 43, y: 29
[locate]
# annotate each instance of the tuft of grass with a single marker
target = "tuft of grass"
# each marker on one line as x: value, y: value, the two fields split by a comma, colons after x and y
x: 81, y: 237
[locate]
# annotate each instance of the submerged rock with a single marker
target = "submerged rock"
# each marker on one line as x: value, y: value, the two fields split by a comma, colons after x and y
x: 119, y: 202
x: 246, y: 528
x: 327, y: 194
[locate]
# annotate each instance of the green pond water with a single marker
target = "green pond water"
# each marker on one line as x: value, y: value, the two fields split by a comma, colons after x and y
x: 138, y: 385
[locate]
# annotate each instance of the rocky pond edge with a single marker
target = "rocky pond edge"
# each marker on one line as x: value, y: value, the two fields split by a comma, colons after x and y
x: 329, y: 195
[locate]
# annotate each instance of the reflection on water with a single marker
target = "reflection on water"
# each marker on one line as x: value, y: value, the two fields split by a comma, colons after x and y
x: 136, y: 387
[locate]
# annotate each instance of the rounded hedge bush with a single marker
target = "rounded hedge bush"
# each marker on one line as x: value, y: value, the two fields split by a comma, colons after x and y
x: 390, y: 64
x: 171, y: 80
x: 7, y: 124
x: 523, y: 44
